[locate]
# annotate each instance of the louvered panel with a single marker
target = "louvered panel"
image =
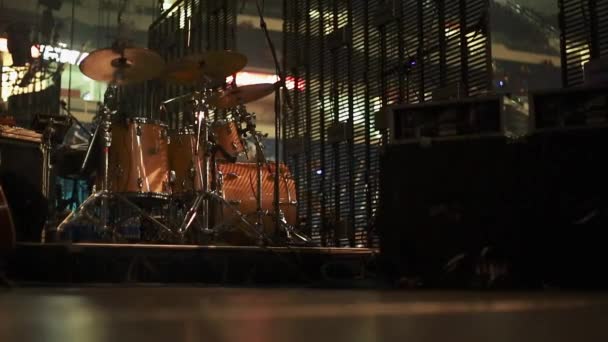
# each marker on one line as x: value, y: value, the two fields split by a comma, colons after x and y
x: 602, y: 27
x: 359, y: 112
x: 411, y: 29
x: 584, y: 26
x: 373, y: 103
x: 361, y: 56
x: 453, y: 48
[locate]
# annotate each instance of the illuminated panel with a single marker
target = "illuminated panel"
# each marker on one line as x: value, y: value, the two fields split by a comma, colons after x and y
x: 249, y: 78
x: 584, y: 27
x: 51, y: 53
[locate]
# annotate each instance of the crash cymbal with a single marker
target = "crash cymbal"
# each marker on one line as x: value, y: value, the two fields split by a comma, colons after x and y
x: 206, y: 66
x: 135, y: 65
x: 241, y: 95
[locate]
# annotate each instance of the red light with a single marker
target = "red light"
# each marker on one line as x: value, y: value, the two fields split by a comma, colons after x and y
x: 247, y: 78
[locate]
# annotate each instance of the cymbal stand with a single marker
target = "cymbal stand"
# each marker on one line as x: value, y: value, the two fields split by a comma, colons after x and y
x: 260, y: 161
x: 201, y: 110
x: 201, y: 113
x: 279, y: 218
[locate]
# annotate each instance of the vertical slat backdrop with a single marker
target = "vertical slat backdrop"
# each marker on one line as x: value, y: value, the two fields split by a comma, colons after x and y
x: 188, y: 27
x: 584, y: 26
x: 349, y: 58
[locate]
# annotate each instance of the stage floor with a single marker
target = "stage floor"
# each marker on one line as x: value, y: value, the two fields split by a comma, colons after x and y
x: 237, y: 314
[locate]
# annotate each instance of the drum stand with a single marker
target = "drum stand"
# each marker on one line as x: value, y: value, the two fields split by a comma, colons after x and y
x: 278, y: 216
x: 206, y: 194
x: 261, y: 161
x: 86, y: 209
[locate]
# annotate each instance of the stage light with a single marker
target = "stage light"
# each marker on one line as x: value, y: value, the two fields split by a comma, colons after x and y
x: 319, y: 172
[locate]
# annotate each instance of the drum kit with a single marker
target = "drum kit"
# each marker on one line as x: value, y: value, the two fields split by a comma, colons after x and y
x: 185, y: 185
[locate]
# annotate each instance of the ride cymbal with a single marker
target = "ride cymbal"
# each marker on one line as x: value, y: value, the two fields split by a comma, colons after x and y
x: 242, y: 95
x: 211, y: 66
x: 132, y: 66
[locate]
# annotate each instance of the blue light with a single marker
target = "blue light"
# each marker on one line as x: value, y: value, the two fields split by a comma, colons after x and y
x: 501, y: 83
x: 319, y: 172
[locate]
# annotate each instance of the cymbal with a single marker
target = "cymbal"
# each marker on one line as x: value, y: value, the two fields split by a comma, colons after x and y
x: 241, y: 95
x: 138, y: 65
x: 213, y: 65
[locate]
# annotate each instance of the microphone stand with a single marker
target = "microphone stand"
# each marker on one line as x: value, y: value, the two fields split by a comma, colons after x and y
x: 278, y: 217
x: 277, y: 114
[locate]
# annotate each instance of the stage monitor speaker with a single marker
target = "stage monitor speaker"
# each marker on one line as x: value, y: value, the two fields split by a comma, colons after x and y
x: 565, y: 243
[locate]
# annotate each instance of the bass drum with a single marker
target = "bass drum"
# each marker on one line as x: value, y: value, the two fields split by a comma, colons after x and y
x: 139, y: 159
x: 187, y: 167
x: 238, y: 187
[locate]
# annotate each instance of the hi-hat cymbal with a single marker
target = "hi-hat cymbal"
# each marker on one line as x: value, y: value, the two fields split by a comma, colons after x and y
x: 241, y: 95
x: 132, y: 66
x: 210, y: 65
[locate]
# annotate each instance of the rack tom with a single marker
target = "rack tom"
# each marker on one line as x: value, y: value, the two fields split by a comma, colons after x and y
x: 186, y: 165
x: 139, y: 159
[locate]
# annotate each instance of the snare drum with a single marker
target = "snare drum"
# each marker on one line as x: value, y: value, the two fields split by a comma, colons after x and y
x: 186, y: 166
x: 238, y: 186
x: 139, y: 159
x: 227, y: 137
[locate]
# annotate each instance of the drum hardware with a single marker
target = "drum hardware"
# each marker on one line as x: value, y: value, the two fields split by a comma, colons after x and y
x: 125, y: 66
x: 277, y: 91
x: 54, y: 130
x: 206, y: 194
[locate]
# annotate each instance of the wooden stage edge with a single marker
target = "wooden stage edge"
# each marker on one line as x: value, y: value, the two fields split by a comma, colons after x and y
x: 80, y: 263
x: 293, y: 249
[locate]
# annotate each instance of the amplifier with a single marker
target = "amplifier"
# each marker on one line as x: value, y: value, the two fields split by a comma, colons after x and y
x: 471, y: 117
x: 569, y: 108
x: 21, y: 166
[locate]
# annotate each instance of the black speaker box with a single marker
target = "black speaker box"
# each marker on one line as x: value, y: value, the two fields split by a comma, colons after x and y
x: 21, y: 177
x: 541, y: 202
x: 445, y: 199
